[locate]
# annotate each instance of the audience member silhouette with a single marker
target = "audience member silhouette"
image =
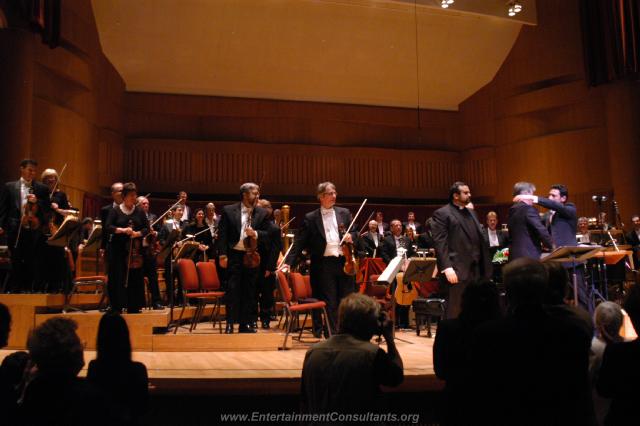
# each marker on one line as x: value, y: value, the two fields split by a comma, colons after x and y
x: 124, y: 382
x: 480, y: 303
x: 530, y: 368
x: 343, y: 374
x: 53, y: 394
x: 559, y: 298
x: 608, y: 319
x: 620, y: 371
x: 10, y: 368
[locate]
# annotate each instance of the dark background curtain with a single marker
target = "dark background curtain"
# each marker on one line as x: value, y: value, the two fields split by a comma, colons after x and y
x: 611, y: 39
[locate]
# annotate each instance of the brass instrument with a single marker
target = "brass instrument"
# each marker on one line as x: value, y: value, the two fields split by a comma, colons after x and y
x: 286, y: 241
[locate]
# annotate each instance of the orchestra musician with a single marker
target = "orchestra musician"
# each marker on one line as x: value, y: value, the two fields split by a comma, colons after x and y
x: 149, y: 254
x: 242, y: 226
x: 80, y: 236
x: 127, y: 224
x: 55, y: 262
x: 496, y: 238
x: 186, y: 210
x: 390, y: 245
x: 411, y: 223
x: 174, y: 226
x: 633, y: 237
x: 269, y: 249
x: 116, y: 196
x: 320, y: 236
x: 212, y: 219
x: 583, y: 235
x: 24, y: 207
x: 461, y: 251
x: 371, y: 242
x: 383, y: 227
x: 203, y: 238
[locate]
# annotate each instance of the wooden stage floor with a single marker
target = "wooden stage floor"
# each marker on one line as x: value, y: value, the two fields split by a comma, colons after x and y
x: 264, y: 371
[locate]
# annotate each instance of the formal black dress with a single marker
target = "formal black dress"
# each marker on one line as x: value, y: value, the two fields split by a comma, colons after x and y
x: 122, y: 293
x: 57, y: 274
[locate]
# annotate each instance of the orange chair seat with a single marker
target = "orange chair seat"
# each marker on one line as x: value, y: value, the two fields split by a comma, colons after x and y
x: 307, y: 306
x: 212, y: 294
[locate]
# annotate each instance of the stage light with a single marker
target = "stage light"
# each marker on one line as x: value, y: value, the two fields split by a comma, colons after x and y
x: 446, y: 3
x: 514, y: 7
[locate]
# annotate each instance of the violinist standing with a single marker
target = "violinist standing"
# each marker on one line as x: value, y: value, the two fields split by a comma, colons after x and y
x: 127, y: 224
x: 269, y: 250
x: 150, y: 252
x: 56, y: 266
x: 24, y: 206
x: 240, y: 224
x: 320, y: 236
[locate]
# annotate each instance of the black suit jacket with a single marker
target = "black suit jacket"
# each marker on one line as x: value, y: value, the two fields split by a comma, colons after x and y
x: 453, y: 243
x: 564, y: 224
x: 368, y: 245
x: 270, y: 247
x: 503, y: 239
x: 311, y: 235
x: 419, y: 228
x: 229, y: 230
x: 11, y: 204
x: 390, y: 249
x: 104, y: 214
x: 527, y: 232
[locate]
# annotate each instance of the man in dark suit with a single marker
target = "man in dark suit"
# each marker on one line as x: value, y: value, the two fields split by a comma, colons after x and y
x: 169, y: 233
x: 371, y: 242
x: 461, y: 250
x: 186, y: 210
x: 633, y: 238
x: 526, y: 231
x: 26, y: 240
x: 496, y: 238
x: 383, y: 227
x: 320, y: 236
x: 562, y: 222
x: 411, y: 223
x: 116, y: 195
x: 269, y: 249
x: 239, y: 221
x: 149, y: 262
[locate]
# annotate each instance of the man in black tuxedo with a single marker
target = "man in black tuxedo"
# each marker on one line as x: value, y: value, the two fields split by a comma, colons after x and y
x: 269, y: 249
x: 496, y: 238
x: 168, y: 235
x: 26, y: 241
x: 116, y: 195
x: 371, y: 241
x: 186, y: 210
x: 239, y: 221
x: 526, y: 231
x: 383, y: 227
x: 562, y: 222
x: 320, y: 236
x: 461, y: 249
x: 411, y: 223
x: 149, y: 262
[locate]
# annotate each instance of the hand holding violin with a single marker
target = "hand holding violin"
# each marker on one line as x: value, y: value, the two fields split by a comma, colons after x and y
x: 250, y: 232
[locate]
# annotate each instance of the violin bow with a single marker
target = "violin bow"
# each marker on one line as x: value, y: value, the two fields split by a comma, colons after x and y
x: 55, y: 187
x: 366, y: 222
x: 353, y: 221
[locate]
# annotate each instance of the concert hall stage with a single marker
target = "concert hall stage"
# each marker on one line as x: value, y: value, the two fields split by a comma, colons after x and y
x: 205, y: 361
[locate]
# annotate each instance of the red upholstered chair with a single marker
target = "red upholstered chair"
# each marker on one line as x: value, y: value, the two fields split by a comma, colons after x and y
x: 191, y: 287
x: 210, y: 287
x: 292, y: 309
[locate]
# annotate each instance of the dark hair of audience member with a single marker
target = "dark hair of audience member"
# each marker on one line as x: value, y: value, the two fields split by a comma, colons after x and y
x: 13, y: 367
x: 480, y: 303
x: 55, y: 347
x: 557, y: 284
x: 113, y: 343
x: 632, y: 306
x: 5, y: 325
x: 358, y: 315
x: 525, y: 281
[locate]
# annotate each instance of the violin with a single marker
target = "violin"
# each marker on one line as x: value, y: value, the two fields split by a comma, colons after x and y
x: 30, y: 214
x: 251, y: 257
x: 135, y: 251
x: 350, y: 262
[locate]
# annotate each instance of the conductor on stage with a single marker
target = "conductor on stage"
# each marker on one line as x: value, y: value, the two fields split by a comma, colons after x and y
x: 240, y: 223
x: 320, y: 236
x: 461, y: 250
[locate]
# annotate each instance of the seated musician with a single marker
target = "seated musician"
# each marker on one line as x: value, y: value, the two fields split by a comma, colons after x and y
x: 496, y: 238
x: 411, y: 223
x: 425, y: 240
x: 197, y: 229
x: 80, y: 236
x: 583, y: 235
x: 371, y: 242
x: 389, y: 250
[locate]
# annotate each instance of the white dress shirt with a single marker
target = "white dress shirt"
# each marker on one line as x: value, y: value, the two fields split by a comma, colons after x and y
x: 331, y: 233
x: 244, y: 215
x: 24, y: 191
x: 493, y: 237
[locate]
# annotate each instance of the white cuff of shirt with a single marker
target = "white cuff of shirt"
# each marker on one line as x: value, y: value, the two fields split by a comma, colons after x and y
x: 448, y: 269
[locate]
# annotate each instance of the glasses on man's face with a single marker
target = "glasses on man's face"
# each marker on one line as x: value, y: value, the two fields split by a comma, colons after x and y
x: 330, y: 193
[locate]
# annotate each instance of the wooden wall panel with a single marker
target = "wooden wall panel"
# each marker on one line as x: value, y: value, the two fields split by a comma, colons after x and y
x: 290, y: 170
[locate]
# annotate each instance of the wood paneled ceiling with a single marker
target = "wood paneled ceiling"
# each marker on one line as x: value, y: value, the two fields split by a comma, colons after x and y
x: 369, y: 52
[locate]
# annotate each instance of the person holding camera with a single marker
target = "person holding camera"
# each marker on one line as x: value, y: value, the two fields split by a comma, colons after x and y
x: 343, y: 374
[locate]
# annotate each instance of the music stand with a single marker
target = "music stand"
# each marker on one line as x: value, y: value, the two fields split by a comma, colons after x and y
x: 420, y: 269
x: 573, y: 255
x: 61, y: 237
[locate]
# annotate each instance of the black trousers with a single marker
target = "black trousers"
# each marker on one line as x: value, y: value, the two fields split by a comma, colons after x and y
x: 240, y: 297
x: 55, y: 269
x: 330, y: 284
x: 26, y: 261
x: 150, y: 270
x: 266, y: 301
x: 124, y: 293
x: 453, y: 292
